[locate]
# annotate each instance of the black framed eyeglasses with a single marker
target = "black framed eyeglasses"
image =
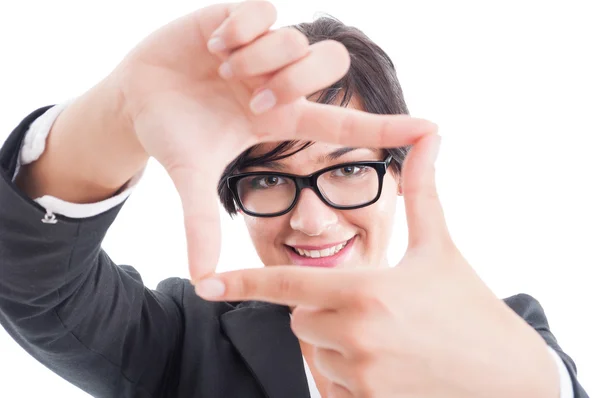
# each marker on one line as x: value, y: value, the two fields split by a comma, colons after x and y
x: 344, y: 186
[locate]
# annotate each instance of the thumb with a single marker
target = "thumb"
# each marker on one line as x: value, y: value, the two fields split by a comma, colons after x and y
x: 199, y: 200
x: 424, y: 214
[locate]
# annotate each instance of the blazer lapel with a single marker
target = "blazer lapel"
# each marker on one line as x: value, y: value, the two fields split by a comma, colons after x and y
x: 262, y: 335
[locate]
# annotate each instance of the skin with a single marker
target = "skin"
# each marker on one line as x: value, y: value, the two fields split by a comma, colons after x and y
x: 205, y: 87
x: 312, y: 222
x: 428, y: 327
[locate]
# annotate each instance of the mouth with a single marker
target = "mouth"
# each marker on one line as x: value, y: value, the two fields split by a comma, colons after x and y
x: 327, y: 256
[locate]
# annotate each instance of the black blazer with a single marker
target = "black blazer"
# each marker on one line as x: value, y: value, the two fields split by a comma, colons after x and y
x: 96, y: 325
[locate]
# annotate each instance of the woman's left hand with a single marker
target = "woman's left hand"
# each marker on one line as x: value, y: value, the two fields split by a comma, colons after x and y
x: 428, y: 327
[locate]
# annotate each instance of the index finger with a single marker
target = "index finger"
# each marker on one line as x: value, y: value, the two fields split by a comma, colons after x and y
x: 353, y: 127
x: 285, y: 285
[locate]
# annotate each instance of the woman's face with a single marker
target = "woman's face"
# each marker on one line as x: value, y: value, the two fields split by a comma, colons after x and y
x: 311, y: 226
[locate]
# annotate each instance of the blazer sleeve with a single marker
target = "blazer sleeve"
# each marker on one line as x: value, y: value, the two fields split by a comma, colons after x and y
x: 532, y: 312
x: 68, y: 305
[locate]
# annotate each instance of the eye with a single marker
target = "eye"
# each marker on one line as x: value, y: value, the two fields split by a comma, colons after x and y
x: 265, y: 182
x: 348, y: 171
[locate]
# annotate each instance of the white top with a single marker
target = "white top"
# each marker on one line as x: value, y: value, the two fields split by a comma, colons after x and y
x: 34, y: 145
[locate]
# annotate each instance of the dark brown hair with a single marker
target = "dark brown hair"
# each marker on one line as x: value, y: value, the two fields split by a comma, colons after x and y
x: 371, y: 78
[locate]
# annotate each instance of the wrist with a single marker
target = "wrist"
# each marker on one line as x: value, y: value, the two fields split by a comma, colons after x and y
x: 118, y: 136
x: 90, y: 152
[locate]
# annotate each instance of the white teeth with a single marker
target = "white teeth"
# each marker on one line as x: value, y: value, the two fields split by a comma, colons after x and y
x: 330, y: 251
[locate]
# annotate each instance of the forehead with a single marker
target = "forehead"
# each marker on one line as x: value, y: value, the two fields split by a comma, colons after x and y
x: 314, y: 157
x: 314, y: 149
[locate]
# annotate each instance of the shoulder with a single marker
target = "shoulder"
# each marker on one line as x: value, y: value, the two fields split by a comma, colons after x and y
x: 527, y: 307
x: 173, y: 286
x: 531, y: 311
x: 181, y: 291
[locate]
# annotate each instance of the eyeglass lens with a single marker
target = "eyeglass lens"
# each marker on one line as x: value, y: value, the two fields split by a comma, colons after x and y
x: 347, y: 186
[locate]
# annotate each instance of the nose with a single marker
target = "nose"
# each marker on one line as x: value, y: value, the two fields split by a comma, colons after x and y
x: 311, y: 216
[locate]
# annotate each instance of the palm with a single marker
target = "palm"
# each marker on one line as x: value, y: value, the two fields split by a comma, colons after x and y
x: 183, y: 111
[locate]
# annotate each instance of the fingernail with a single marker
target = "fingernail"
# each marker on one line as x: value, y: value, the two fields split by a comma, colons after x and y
x: 210, y: 288
x: 263, y: 101
x: 215, y: 45
x: 432, y: 126
x: 435, y: 151
x: 225, y: 70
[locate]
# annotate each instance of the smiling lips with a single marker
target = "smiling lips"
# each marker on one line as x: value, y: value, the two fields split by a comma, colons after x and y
x: 330, y: 251
x: 328, y: 256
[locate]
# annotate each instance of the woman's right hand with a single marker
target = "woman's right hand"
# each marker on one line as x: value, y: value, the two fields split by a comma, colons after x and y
x: 194, y: 120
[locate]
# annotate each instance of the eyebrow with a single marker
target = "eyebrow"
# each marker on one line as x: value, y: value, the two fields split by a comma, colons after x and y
x: 338, y: 153
x: 330, y: 157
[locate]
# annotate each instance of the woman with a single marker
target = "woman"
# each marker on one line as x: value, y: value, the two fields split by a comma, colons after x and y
x: 194, y: 95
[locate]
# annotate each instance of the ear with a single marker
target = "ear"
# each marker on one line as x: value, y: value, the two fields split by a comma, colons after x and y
x: 397, y: 176
x: 398, y: 180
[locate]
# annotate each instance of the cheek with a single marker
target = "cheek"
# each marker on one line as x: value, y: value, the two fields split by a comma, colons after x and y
x: 253, y: 224
x: 261, y: 230
x: 389, y: 197
x: 264, y: 233
x: 382, y: 214
x: 375, y: 222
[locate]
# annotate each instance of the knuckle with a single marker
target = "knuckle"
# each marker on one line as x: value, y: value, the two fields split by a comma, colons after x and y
x: 287, y: 87
x: 260, y: 8
x: 293, y: 40
x: 338, y: 49
x: 356, y: 339
x: 364, y: 377
x: 247, y: 20
x: 296, y: 321
x: 301, y: 314
x: 240, y: 64
x: 336, y: 53
x: 251, y: 14
x: 284, y: 286
x: 235, y: 32
x: 245, y: 286
x: 267, y: 9
x: 361, y: 340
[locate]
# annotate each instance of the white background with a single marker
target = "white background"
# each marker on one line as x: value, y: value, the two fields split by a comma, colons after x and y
x: 513, y: 85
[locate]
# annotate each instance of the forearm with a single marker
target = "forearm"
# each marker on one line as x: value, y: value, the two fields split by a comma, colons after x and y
x: 90, y: 153
x: 68, y: 304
